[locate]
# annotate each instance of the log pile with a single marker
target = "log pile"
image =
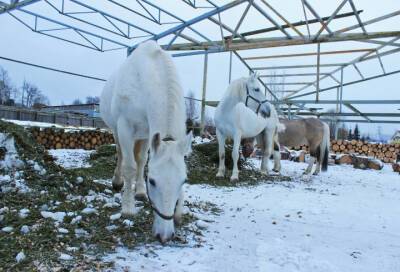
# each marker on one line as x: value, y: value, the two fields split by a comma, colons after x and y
x: 384, y: 152
x: 54, y: 138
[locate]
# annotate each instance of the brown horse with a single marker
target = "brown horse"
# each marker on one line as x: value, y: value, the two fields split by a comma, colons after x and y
x: 312, y: 132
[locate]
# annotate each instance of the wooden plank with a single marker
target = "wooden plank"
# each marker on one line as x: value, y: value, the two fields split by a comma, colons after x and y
x: 235, y: 45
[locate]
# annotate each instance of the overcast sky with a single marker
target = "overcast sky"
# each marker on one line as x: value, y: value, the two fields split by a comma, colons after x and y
x: 20, y: 43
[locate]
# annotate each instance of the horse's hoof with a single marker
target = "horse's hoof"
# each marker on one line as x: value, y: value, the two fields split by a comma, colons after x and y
x: 315, y: 173
x: 127, y: 213
x: 276, y: 170
x: 234, y: 180
x: 220, y: 176
x: 117, y: 187
x: 306, y: 178
x: 141, y: 197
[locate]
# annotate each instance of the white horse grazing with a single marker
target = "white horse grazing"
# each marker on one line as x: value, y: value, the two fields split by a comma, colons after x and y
x: 143, y: 104
x: 244, y: 112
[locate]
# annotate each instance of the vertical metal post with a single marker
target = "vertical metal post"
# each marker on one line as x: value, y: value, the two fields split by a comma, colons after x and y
x: 341, y: 90
x: 203, y: 97
x: 337, y: 113
x: 230, y: 66
x: 290, y: 111
x: 318, y: 62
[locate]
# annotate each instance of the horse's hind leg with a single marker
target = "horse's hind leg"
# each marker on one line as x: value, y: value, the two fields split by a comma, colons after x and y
x: 221, y: 151
x: 310, y: 166
x: 235, y: 157
x: 317, y: 167
x: 141, y: 149
x: 268, y: 144
x: 126, y: 142
x: 314, y: 155
x: 117, y: 181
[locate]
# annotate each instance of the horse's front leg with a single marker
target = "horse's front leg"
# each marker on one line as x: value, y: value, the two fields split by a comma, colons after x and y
x: 179, y: 209
x: 235, y: 157
x: 221, y: 151
x: 141, y: 154
x: 126, y: 142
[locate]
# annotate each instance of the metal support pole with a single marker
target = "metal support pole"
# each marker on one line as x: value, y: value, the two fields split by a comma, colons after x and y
x: 203, y: 98
x: 318, y: 66
x: 290, y: 111
x: 337, y: 112
x: 230, y: 66
x: 341, y: 90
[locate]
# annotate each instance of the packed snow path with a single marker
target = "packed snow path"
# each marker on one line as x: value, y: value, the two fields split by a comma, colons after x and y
x: 343, y: 220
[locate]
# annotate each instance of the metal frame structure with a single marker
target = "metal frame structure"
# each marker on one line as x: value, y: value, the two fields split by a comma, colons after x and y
x: 112, y: 32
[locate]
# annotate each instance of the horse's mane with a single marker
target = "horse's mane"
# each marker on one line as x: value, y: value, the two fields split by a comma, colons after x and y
x: 235, y: 87
x: 174, y: 90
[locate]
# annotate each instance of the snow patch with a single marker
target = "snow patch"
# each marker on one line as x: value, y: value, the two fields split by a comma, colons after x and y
x: 56, y: 216
x: 71, y: 158
x: 115, y: 216
x: 20, y: 257
x: 89, y: 210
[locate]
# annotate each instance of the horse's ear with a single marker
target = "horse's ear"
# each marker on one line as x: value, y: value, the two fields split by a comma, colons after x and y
x: 186, y: 144
x: 256, y: 75
x: 155, y: 142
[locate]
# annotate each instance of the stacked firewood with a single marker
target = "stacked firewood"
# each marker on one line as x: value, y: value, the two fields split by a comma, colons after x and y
x: 384, y: 152
x: 53, y: 138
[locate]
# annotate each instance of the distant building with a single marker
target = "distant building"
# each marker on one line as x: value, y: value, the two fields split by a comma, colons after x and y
x: 91, y: 110
x: 396, y: 137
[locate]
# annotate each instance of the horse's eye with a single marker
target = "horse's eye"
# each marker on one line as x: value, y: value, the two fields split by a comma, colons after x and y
x: 257, y: 89
x: 152, y: 182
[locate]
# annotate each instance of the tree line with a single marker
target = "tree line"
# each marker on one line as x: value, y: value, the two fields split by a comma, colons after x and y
x: 26, y: 95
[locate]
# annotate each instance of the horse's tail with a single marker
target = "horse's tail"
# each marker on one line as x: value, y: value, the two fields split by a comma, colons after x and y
x: 324, y: 148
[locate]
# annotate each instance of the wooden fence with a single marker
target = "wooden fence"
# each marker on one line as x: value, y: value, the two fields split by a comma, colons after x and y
x: 21, y: 114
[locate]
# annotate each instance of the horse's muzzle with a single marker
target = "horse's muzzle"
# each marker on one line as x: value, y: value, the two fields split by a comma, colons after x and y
x: 265, y: 112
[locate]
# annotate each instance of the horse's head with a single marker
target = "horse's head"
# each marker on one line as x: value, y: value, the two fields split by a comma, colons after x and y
x: 253, y: 96
x: 167, y: 174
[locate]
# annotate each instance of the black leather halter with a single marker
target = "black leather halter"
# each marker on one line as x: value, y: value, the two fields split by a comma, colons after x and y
x: 154, y: 208
x: 248, y: 95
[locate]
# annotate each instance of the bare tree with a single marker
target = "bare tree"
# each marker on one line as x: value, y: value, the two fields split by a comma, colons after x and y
x: 276, y: 84
x: 192, y: 110
x: 6, y: 87
x: 31, y: 95
x: 333, y: 124
x: 92, y: 100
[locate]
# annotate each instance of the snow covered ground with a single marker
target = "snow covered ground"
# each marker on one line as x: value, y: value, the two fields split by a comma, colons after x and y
x: 343, y: 220
x: 71, y: 158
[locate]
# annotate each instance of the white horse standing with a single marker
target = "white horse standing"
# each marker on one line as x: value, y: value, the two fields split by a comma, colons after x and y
x: 143, y: 104
x: 244, y: 112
